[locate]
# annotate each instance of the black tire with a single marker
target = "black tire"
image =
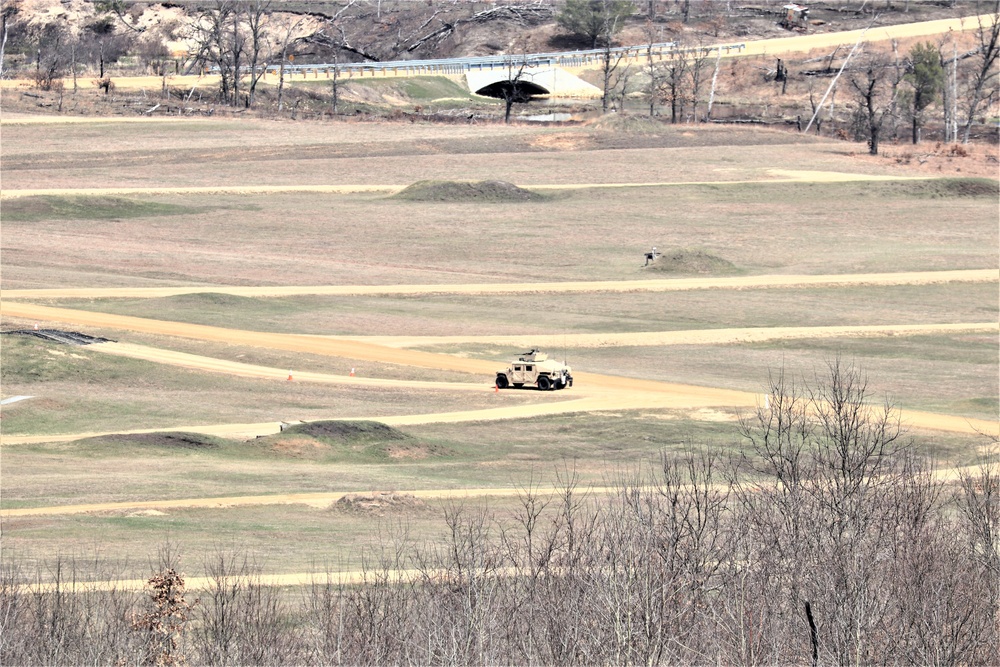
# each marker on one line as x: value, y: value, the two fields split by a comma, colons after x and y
x: 544, y: 383
x: 502, y: 382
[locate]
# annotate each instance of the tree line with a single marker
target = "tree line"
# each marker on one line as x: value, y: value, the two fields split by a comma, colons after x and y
x: 829, y: 540
x: 886, y: 90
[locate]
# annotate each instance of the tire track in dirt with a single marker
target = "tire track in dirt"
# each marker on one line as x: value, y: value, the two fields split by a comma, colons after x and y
x: 778, y: 281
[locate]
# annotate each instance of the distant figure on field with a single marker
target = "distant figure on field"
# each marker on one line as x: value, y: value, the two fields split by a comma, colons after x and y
x: 651, y: 256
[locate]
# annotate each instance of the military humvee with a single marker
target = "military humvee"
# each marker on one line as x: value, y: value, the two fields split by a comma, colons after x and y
x: 534, y: 368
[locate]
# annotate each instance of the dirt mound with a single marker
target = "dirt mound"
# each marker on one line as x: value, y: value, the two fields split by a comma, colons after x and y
x: 457, y: 191
x: 971, y: 187
x: 937, y: 188
x: 616, y: 122
x: 378, y: 502
x: 347, y: 431
x: 173, y: 441
x: 688, y: 261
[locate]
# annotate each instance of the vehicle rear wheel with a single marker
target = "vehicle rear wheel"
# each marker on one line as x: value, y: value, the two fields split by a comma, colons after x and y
x: 544, y: 384
x: 502, y: 382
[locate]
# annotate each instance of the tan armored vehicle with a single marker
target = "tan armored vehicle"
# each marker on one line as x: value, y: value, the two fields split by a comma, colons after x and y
x: 535, y: 369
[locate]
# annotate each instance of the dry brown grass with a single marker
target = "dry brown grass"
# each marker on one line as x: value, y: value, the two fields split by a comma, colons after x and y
x: 365, y: 239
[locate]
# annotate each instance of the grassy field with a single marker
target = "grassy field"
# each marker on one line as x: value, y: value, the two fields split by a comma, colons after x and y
x: 304, y: 239
x: 599, y: 233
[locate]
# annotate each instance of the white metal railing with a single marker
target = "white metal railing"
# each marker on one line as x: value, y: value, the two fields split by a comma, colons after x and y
x: 586, y: 58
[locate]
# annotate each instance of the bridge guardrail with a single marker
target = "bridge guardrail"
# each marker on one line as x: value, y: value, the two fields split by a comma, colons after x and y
x: 660, y: 51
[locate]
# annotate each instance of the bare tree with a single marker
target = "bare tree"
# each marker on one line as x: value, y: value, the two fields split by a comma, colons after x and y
x: 233, y: 39
x: 875, y: 84
x: 983, y: 88
x: 513, y: 89
x: 697, y: 62
x: 287, y: 38
x: 671, y: 83
x: 256, y: 16
x: 610, y: 19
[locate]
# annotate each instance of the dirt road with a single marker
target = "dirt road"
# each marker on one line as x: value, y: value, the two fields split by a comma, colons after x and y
x: 690, y: 337
x: 322, y: 500
x: 602, y: 392
x: 803, y: 43
x: 318, y: 500
x: 480, y: 289
x: 775, y: 176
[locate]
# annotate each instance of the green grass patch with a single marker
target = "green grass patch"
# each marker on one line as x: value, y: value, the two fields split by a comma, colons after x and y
x: 27, y: 359
x: 46, y: 207
x: 973, y: 348
x: 418, y: 88
x: 931, y: 188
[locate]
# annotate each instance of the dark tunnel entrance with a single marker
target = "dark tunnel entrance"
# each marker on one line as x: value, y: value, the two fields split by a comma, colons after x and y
x: 518, y: 91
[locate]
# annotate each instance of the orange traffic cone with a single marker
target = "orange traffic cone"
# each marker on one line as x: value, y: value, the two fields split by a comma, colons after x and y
x: 352, y: 372
x: 36, y: 326
x: 496, y: 389
x: 289, y: 376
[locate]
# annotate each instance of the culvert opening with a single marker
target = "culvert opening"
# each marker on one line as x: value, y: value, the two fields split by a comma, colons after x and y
x: 519, y: 91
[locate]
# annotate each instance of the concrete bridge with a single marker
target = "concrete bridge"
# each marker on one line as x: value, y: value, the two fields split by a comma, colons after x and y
x: 537, y: 74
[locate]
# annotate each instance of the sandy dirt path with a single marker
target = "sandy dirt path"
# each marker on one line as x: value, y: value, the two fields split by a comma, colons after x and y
x: 250, y: 431
x: 322, y: 500
x: 213, y: 365
x: 774, y: 176
x: 689, y: 337
x: 288, y: 342
x: 674, y: 394
x: 603, y: 392
x: 479, y: 289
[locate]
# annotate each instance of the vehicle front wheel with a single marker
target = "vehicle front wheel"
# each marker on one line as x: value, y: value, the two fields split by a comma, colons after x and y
x: 544, y: 384
x: 502, y: 382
